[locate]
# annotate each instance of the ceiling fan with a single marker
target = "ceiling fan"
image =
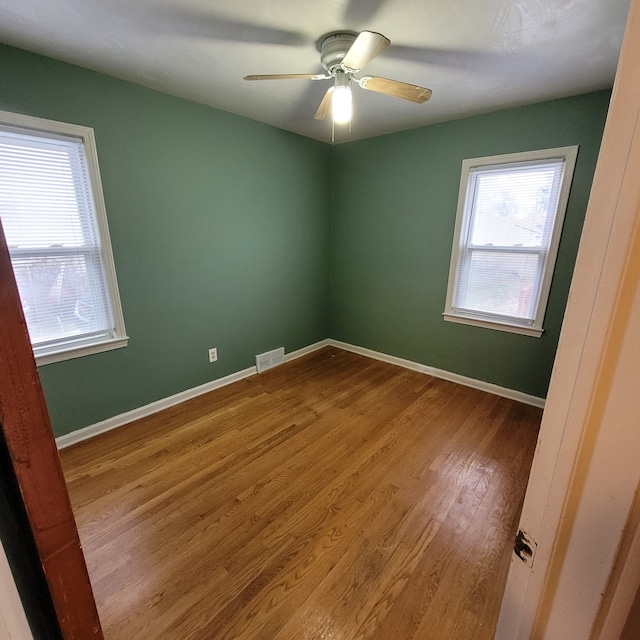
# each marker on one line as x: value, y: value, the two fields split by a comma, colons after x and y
x: 343, y: 54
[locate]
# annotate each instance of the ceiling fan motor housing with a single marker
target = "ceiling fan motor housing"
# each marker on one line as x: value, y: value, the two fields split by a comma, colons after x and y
x: 333, y: 47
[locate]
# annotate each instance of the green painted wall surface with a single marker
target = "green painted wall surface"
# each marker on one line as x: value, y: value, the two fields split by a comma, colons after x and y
x: 220, y: 233
x: 394, y: 209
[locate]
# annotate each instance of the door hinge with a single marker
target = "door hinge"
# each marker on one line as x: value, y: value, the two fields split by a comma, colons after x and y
x: 525, y: 547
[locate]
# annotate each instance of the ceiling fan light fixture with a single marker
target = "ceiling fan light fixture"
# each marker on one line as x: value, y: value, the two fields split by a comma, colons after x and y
x: 341, y: 104
x: 343, y: 53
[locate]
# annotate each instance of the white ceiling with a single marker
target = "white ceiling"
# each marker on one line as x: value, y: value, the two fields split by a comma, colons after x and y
x: 476, y: 55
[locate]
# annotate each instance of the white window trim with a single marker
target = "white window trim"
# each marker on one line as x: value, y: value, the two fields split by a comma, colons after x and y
x: 569, y: 155
x: 59, y: 352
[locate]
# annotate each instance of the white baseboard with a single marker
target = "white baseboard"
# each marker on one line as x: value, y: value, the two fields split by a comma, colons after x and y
x: 135, y: 414
x: 525, y: 398
x: 288, y: 357
x: 141, y: 412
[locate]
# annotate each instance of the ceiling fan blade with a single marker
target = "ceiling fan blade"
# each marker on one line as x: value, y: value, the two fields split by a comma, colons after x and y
x: 365, y: 48
x: 325, y: 106
x: 289, y: 76
x: 395, y: 88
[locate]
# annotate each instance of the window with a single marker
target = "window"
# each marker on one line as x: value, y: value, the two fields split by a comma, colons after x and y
x: 54, y: 219
x: 508, y: 224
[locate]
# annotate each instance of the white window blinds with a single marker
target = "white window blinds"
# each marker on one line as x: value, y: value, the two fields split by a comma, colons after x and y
x: 506, y: 238
x: 50, y: 221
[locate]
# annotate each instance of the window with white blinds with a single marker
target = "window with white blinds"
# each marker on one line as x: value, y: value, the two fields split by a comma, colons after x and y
x: 508, y: 225
x: 54, y: 220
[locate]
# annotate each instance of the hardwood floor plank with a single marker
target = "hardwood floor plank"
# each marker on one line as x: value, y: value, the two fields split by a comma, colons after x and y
x: 335, y: 496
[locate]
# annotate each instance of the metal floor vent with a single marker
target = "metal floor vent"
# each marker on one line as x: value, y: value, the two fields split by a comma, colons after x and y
x: 269, y: 359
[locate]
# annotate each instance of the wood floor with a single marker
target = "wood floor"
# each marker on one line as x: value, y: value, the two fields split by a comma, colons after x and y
x: 334, y: 497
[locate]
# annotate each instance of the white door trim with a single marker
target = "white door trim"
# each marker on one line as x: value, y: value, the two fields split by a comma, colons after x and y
x: 13, y: 622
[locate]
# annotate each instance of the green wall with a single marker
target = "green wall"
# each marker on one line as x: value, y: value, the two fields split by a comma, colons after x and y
x: 394, y: 209
x: 225, y: 233
x: 220, y: 233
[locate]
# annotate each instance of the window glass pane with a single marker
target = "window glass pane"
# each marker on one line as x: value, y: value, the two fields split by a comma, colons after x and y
x: 500, y: 283
x: 508, y: 224
x: 60, y: 296
x: 43, y: 192
x: 514, y: 206
x: 54, y: 220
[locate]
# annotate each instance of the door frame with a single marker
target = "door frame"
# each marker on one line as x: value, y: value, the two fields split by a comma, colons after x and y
x: 26, y: 428
x: 13, y: 620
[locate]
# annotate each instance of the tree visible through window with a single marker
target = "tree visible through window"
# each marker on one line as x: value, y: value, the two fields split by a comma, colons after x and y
x: 54, y: 220
x: 510, y: 214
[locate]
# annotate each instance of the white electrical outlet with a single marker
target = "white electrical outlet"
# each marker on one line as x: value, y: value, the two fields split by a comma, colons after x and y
x: 213, y: 355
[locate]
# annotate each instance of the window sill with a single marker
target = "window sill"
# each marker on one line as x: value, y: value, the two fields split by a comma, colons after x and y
x: 500, y: 326
x: 78, y: 351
